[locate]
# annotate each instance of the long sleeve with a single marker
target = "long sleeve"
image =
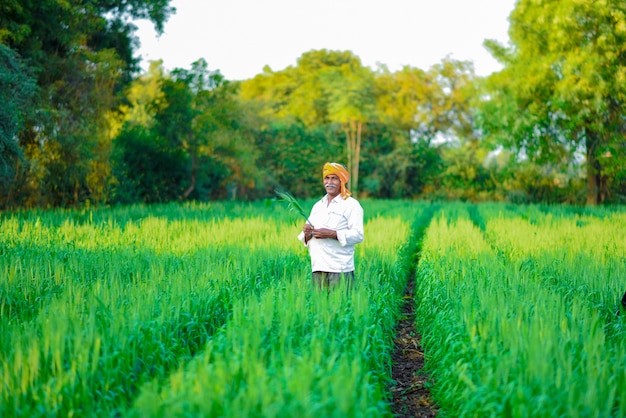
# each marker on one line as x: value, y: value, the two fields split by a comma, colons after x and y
x: 354, y: 233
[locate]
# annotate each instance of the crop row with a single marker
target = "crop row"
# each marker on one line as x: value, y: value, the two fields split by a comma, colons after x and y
x: 518, y: 315
x: 174, y: 310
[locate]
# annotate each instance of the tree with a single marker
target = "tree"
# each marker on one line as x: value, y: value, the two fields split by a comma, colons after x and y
x: 291, y: 156
x: 146, y: 168
x: 350, y: 91
x: 81, y: 53
x: 563, y: 89
x: 17, y: 88
x: 198, y: 116
x: 326, y: 88
x: 142, y: 97
x: 451, y: 109
x: 426, y: 107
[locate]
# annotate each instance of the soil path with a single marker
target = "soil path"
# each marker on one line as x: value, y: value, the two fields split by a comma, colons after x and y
x: 410, y: 396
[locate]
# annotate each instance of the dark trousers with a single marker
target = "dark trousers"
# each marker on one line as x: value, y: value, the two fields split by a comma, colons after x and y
x: 328, y: 280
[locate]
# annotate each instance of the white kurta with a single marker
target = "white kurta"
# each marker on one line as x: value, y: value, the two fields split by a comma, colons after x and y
x: 343, y: 216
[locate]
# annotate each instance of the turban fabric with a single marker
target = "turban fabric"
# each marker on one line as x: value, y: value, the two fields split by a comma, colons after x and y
x: 341, y: 172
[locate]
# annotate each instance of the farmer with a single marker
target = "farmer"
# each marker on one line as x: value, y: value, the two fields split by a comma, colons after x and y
x: 334, y: 227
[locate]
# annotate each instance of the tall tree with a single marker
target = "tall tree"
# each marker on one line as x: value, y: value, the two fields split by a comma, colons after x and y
x: 326, y: 88
x: 17, y: 88
x: 81, y: 53
x: 428, y: 107
x: 198, y: 116
x: 428, y: 104
x: 451, y: 109
x: 142, y: 97
x: 209, y: 112
x: 563, y: 88
x: 351, y: 104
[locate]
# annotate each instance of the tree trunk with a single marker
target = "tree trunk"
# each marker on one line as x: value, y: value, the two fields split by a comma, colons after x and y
x: 192, y: 180
x: 357, y: 156
x: 350, y: 147
x: 353, y: 142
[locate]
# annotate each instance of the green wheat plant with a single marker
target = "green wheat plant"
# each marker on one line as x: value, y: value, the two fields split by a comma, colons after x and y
x: 289, y: 352
x: 206, y: 309
x: 293, y: 204
x: 516, y: 314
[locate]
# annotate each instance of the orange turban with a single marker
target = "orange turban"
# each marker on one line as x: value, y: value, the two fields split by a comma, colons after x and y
x: 341, y: 172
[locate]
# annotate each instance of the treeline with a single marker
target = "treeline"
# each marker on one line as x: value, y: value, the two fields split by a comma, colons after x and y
x: 80, y: 124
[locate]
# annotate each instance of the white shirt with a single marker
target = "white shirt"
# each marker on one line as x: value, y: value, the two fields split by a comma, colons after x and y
x: 343, y: 216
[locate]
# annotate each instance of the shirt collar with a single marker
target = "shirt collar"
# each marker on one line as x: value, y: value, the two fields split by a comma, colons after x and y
x: 326, y: 197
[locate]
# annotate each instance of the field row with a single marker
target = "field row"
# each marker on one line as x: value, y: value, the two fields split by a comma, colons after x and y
x: 194, y: 314
x: 518, y: 314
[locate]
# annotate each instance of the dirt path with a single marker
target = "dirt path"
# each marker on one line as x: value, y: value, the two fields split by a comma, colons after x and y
x: 410, y: 397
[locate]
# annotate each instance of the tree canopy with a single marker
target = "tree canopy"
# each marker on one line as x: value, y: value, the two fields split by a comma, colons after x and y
x: 562, y: 93
x: 81, y: 124
x: 81, y: 55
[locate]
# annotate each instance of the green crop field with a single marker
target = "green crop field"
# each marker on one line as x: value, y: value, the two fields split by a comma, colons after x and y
x: 207, y: 310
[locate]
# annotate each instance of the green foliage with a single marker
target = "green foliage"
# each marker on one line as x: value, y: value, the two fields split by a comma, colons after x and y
x: 562, y: 89
x: 466, y: 175
x: 146, y: 170
x: 302, y: 92
x: 17, y: 87
x: 326, y: 88
x: 294, y: 205
x: 81, y: 54
x: 397, y: 167
x: 294, y: 155
x: 401, y: 101
x: 412, y: 133
x: 385, y: 118
x: 180, y: 140
x: 527, y: 182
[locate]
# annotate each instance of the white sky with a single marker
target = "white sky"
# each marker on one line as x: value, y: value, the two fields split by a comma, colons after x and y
x: 240, y: 37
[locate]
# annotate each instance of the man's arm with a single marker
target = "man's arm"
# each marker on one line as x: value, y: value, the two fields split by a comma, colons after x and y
x: 354, y: 234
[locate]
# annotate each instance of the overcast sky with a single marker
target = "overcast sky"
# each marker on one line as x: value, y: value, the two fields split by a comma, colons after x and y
x: 240, y: 37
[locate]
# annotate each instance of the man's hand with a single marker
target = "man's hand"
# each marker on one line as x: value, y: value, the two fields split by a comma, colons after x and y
x: 322, y: 233
x: 308, y: 232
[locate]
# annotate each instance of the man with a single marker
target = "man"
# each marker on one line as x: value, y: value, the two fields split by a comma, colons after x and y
x: 334, y: 227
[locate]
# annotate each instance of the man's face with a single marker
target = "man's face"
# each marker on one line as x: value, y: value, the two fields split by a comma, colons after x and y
x: 332, y: 184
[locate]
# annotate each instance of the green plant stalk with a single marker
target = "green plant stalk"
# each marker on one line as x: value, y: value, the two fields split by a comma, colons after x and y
x: 293, y: 205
